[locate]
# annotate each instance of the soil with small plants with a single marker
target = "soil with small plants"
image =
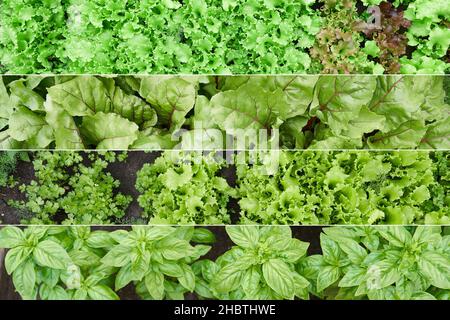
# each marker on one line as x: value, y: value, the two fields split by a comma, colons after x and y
x: 125, y: 172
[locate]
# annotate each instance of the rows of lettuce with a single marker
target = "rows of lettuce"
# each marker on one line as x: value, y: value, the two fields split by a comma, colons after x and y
x: 261, y: 263
x: 163, y: 112
x: 215, y: 37
x: 275, y: 187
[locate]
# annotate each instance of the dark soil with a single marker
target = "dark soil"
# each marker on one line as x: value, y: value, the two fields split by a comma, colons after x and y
x: 223, y: 243
x: 7, y: 291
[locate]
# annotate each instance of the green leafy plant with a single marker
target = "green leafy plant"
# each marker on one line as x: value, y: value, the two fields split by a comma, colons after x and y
x: 78, y: 263
x: 152, y: 112
x: 54, y: 263
x: 261, y: 265
x: 62, y: 263
x: 359, y: 187
x: 394, y: 37
x: 184, y: 188
x: 157, y: 259
x: 283, y: 187
x: 194, y: 36
x: 381, y: 263
x: 8, y: 163
x: 338, y: 43
x: 429, y: 34
x: 389, y: 42
x: 85, y: 194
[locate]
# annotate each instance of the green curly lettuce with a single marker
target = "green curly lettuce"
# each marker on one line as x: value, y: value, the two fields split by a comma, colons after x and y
x: 184, y: 188
x: 360, y: 187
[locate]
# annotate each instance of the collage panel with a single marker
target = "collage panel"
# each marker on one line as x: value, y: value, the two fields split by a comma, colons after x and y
x: 243, y: 158
x: 223, y: 263
x: 225, y: 112
x: 223, y: 37
x: 178, y: 187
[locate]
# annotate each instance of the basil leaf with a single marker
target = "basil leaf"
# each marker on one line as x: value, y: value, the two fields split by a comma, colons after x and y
x: 278, y: 276
x: 11, y: 237
x: 154, y: 282
x: 436, y: 267
x: 24, y: 279
x: 15, y: 257
x: 50, y: 254
x: 187, y: 280
x: 118, y: 256
x: 326, y: 277
x: 102, y: 292
x: 243, y: 236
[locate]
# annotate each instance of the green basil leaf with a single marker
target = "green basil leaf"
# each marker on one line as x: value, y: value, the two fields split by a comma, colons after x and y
x: 295, y: 250
x: 154, y: 282
x: 396, y: 235
x: 24, y: 279
x: 84, y: 258
x: 330, y: 250
x: 174, y: 249
x: 118, y: 256
x: 50, y: 254
x: 156, y: 233
x: 171, y: 269
x: 58, y: 293
x: 326, y: 277
x: 244, y: 236
x: 15, y: 257
x: 11, y: 237
x: 202, y: 235
x: 102, y: 292
x: 279, y: 278
x: 100, y: 239
x: 436, y: 267
x: 251, y: 280
x: 227, y: 279
x: 123, y: 277
x: 353, y: 277
x: 80, y: 294
x: 355, y: 253
x: 187, y: 280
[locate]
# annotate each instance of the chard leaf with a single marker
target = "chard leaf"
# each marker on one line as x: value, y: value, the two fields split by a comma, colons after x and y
x: 25, y: 124
x: 84, y: 96
x: 407, y: 135
x: 172, y: 98
x: 437, y: 135
x: 338, y: 100
x: 66, y: 132
x: 24, y: 96
x: 81, y: 96
x: 109, y: 131
x: 248, y: 107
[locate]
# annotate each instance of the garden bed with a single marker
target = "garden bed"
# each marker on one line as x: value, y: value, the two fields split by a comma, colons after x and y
x: 295, y: 187
x: 233, y: 262
x: 222, y: 244
x: 212, y: 37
